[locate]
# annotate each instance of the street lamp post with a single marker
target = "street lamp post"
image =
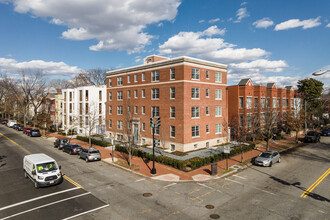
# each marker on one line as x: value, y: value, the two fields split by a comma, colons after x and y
x: 155, y: 142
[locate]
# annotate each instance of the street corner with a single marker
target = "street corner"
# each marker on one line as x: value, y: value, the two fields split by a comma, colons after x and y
x: 167, y: 177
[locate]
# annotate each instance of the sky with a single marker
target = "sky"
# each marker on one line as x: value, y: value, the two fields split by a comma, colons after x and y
x: 277, y: 41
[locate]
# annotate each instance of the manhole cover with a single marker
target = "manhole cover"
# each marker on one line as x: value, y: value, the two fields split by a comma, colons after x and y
x: 147, y: 194
x: 214, y: 216
x: 209, y: 206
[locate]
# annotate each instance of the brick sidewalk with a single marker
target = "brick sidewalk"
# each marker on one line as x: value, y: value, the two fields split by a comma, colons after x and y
x: 143, y: 167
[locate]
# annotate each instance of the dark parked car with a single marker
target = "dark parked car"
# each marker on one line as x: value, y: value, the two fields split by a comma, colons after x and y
x: 27, y: 130
x: 4, y: 122
x: 72, y: 148
x: 325, y: 132
x: 90, y: 154
x: 20, y: 128
x: 34, y: 133
x: 312, y: 136
x: 60, y: 142
x: 15, y: 126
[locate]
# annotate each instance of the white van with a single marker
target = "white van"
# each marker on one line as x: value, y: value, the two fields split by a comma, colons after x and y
x: 11, y: 123
x: 42, y: 170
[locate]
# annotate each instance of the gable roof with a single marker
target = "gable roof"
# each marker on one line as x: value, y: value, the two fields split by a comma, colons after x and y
x: 289, y: 88
x: 243, y: 82
x: 270, y: 85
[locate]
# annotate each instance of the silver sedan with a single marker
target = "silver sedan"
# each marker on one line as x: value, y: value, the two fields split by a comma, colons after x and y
x: 268, y: 158
x: 90, y: 154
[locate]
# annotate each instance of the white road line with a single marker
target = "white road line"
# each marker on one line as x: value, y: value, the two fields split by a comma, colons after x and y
x: 234, y: 181
x: 266, y: 191
x: 139, y: 180
x: 83, y: 213
x: 321, y: 211
x: 172, y: 184
x: 201, y: 184
x: 251, y: 186
x: 240, y: 177
x: 42, y: 206
x: 37, y: 198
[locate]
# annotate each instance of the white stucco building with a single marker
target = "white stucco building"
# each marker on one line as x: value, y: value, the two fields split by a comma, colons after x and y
x: 84, y: 110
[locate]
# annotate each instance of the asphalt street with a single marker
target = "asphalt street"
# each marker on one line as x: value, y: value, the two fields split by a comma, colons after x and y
x: 255, y: 193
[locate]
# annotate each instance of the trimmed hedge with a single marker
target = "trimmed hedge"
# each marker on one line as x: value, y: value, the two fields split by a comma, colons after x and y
x: 193, y: 163
x: 94, y: 141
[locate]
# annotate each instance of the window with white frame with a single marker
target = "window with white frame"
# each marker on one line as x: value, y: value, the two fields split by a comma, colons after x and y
x: 120, y: 137
x: 143, y: 93
x: 135, y: 93
x: 218, y: 128
x: 218, y: 111
x: 119, y: 110
x: 274, y: 102
x: 241, y: 104
x: 110, y: 82
x: 263, y: 102
x: 195, y: 112
x: 195, y: 93
x: 129, y: 109
x: 172, y: 73
x: 110, y: 123
x: 195, y: 73
x: 119, y: 81
x: 143, y: 76
x: 207, y: 129
x: 249, y: 102
x: 154, y: 93
x: 172, y: 147
x: 195, y: 146
x: 135, y: 109
x: 110, y: 96
x: 135, y: 77
x: 155, y: 111
x: 172, y: 112
x: 241, y: 118
x: 278, y: 102
x: 128, y: 94
x: 256, y: 100
x: 218, y: 94
x: 143, y: 110
x: 195, y: 131
x: 172, y: 131
x: 120, y: 125
x: 155, y: 76
x: 207, y: 110
x: 172, y: 93
x: 128, y: 79
x: 218, y: 77
x: 207, y: 74
x: 283, y: 102
x: 110, y: 110
x: 143, y: 126
x: 207, y: 93
x: 119, y: 95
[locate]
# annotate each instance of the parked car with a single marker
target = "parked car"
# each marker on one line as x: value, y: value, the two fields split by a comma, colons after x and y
x: 60, y: 142
x: 72, y: 148
x: 15, y: 126
x: 4, y: 122
x: 325, y: 132
x: 27, y: 130
x: 11, y: 123
x: 90, y: 154
x: 20, y: 128
x: 268, y: 158
x: 312, y: 136
x: 34, y: 133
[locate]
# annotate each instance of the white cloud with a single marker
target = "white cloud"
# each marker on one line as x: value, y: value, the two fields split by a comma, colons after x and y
x: 243, y: 3
x: 263, y: 23
x: 294, y: 23
x: 201, y: 21
x: 214, y: 30
x: 328, y: 25
x: 116, y: 24
x: 240, y: 14
x: 260, y: 65
x: 160, y: 24
x: 11, y: 66
x: 214, y: 20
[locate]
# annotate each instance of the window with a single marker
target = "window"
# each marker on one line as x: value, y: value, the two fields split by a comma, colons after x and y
x: 110, y: 82
x: 287, y: 102
x: 241, y: 120
x: 70, y: 96
x: 86, y: 108
x: 128, y: 79
x: 129, y: 109
x: 195, y: 93
x: 207, y: 129
x: 207, y: 93
x: 143, y: 93
x: 110, y: 123
x: 195, y: 146
x: 283, y: 102
x: 100, y: 96
x: 256, y: 100
x: 119, y: 95
x: 207, y: 144
x: 263, y: 118
x: 155, y: 76
x: 172, y: 93
x: 80, y: 108
x: 80, y: 95
x: 135, y: 77
x: 263, y: 103
x: 128, y: 94
x: 86, y: 120
x: 143, y: 141
x: 172, y: 112
x: 155, y: 111
x: 207, y: 110
x: 110, y: 96
x: 80, y: 121
x: 86, y: 95
x: 274, y: 102
x: 172, y: 131
x: 100, y: 120
x: 154, y: 93
x: 241, y: 102
x: 249, y: 120
x: 195, y: 131
x: 120, y: 125
x: 218, y: 111
x: 278, y: 102
x: 135, y: 109
x: 120, y: 137
x: 218, y: 77
x: 194, y: 73
x: 119, y: 110
x: 135, y: 94
x: 218, y: 128
x: 143, y: 77
x: 143, y: 126
x: 100, y: 108
x: 64, y: 96
x: 120, y: 81
x: 110, y: 110
x: 172, y: 147
x: 218, y: 94
x: 143, y: 110
x: 249, y: 102
x: 70, y: 107
x: 207, y: 75
x: 172, y: 73
x: 195, y: 112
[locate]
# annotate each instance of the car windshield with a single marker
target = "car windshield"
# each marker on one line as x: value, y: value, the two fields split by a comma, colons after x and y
x: 35, y: 130
x: 46, y: 167
x: 311, y: 133
x: 65, y: 141
x: 265, y: 155
x: 94, y: 152
x: 75, y: 145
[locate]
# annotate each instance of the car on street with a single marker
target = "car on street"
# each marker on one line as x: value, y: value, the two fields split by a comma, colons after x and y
x: 268, y: 158
x: 312, y: 136
x: 90, y: 154
x: 4, y: 122
x: 72, y: 148
x: 60, y: 142
x: 325, y: 132
x: 20, y: 128
x: 34, y: 133
x: 27, y: 130
x: 11, y: 123
x: 15, y: 126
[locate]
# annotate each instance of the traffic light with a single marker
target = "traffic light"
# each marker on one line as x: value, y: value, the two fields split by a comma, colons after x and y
x: 158, y: 122
x: 151, y: 122
x: 156, y: 142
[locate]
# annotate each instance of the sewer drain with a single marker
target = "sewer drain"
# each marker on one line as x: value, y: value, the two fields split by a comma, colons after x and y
x: 214, y: 216
x: 147, y: 194
x: 209, y: 206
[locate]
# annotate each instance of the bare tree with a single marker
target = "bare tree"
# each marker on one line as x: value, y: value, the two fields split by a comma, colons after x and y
x: 268, y: 122
x: 295, y: 120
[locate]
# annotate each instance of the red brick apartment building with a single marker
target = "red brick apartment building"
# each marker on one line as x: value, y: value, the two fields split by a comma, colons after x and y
x: 188, y: 94
x: 246, y: 99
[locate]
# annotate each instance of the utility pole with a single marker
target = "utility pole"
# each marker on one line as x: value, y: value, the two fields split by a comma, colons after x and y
x: 155, y: 142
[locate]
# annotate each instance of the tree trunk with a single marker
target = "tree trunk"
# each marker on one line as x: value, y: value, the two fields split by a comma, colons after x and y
x: 130, y: 158
x: 90, y: 141
x: 267, y: 144
x: 296, y: 136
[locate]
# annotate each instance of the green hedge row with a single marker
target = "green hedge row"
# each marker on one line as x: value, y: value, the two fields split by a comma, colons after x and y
x: 194, y: 163
x: 94, y: 141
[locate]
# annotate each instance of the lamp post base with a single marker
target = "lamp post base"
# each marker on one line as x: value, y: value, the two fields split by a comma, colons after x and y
x: 153, y: 171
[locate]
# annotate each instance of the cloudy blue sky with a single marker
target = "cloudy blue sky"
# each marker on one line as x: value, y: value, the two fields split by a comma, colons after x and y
x: 274, y: 40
